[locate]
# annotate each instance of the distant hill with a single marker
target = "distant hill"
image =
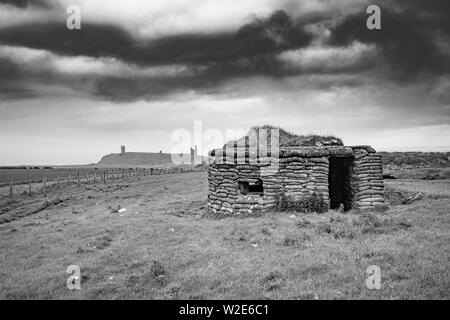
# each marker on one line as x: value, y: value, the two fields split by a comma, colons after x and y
x: 416, y: 159
x: 143, y: 159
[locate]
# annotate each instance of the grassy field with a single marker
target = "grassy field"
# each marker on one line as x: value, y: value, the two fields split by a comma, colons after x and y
x: 22, y: 175
x: 164, y: 246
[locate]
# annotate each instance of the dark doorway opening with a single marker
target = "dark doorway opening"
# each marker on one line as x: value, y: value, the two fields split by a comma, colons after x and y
x: 340, y: 182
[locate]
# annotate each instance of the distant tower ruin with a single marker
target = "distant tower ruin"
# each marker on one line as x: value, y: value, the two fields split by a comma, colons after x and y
x: 122, y: 150
x: 192, y: 156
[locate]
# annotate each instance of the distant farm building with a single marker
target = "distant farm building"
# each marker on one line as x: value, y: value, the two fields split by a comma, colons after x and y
x: 304, y: 173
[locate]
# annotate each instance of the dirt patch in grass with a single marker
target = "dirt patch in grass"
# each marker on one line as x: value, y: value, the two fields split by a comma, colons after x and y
x: 12, y: 214
x: 240, y: 233
x: 342, y: 226
x: 371, y: 223
x: 158, y: 273
x: 272, y: 281
x: 396, y: 197
x: 193, y: 209
x: 99, y: 242
x: 297, y: 239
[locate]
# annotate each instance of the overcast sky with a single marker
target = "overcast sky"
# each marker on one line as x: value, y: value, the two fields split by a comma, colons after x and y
x: 140, y: 69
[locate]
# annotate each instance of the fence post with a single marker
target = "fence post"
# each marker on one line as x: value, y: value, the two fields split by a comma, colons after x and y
x: 58, y: 182
x: 11, y: 189
x: 78, y: 179
x: 44, y: 180
x: 29, y: 187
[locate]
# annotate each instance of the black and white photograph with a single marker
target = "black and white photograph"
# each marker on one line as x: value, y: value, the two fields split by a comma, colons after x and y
x: 224, y: 150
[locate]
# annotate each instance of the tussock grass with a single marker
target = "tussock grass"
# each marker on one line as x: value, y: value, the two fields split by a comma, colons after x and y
x: 165, y: 247
x: 313, y: 203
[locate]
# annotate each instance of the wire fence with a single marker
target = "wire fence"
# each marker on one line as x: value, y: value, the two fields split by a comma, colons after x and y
x: 44, y: 185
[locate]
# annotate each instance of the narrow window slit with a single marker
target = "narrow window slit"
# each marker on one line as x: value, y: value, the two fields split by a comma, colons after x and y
x: 251, y: 188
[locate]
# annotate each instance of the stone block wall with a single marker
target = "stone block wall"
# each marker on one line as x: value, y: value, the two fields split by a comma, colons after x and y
x: 296, y: 178
x: 224, y: 193
x: 368, y: 177
x: 299, y: 178
x: 298, y: 175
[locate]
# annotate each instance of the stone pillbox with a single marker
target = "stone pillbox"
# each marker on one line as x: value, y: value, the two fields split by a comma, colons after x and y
x: 245, y: 178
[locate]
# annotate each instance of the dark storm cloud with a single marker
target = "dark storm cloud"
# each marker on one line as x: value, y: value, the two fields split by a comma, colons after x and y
x: 92, y: 40
x: 251, y: 50
x: 408, y: 47
x: 11, y: 81
x: 313, y: 67
x: 261, y: 37
x: 27, y: 3
x: 409, y: 38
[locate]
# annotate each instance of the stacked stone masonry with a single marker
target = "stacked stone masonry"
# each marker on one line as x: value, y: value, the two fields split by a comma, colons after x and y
x: 294, y: 174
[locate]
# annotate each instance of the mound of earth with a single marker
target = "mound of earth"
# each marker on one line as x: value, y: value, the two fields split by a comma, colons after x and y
x: 286, y: 138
